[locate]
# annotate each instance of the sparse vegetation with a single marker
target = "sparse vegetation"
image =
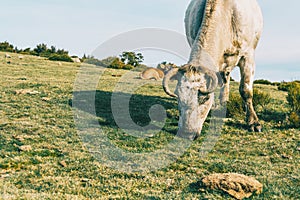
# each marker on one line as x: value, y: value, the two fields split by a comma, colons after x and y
x: 40, y: 50
x: 263, y: 82
x: 127, y: 61
x: 42, y: 156
x: 60, y: 57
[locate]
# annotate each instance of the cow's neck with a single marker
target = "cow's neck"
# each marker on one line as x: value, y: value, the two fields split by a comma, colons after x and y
x: 208, y: 48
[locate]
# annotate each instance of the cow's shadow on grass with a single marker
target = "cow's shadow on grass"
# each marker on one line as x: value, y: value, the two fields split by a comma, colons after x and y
x: 99, y: 103
x: 270, y: 116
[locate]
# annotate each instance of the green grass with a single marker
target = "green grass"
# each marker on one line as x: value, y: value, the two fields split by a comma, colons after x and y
x: 48, y: 126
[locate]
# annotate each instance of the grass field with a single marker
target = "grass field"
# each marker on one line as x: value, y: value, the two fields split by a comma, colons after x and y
x: 43, y: 157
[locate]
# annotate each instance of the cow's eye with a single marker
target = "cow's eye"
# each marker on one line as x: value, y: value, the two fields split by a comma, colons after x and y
x: 202, y: 98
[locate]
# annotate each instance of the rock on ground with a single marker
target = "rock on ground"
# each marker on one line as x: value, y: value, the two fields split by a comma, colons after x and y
x: 237, y: 185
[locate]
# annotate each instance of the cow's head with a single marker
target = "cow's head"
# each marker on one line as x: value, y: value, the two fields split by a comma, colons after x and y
x: 194, y: 92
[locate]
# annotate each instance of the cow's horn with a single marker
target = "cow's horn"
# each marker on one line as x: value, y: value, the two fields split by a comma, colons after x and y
x: 166, y: 80
x: 212, y: 83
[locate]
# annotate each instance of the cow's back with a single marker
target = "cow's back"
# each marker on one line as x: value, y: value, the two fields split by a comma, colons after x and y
x: 246, y: 14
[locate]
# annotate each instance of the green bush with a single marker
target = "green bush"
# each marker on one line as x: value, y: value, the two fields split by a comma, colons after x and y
x: 261, y: 98
x: 60, y: 57
x: 293, y: 99
x: 107, y: 61
x: 294, y: 96
x: 235, y: 106
x: 263, y: 82
x: 294, y: 119
x: 284, y: 86
x: 6, y: 46
x: 116, y: 64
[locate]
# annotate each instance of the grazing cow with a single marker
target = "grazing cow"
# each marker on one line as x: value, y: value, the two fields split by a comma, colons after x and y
x: 7, y: 55
x: 21, y: 57
x: 152, y: 73
x: 222, y: 34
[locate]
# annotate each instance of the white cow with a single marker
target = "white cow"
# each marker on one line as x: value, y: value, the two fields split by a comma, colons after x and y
x: 223, y: 34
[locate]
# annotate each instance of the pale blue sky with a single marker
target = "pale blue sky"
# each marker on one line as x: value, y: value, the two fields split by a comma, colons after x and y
x: 81, y: 25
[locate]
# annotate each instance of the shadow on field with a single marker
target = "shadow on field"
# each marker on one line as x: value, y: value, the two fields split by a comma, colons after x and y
x: 272, y: 116
x: 238, y: 124
x: 139, y: 106
x: 269, y: 116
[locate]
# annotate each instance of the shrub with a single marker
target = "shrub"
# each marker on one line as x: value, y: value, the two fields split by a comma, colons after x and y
x: 107, y: 61
x: 294, y: 96
x: 263, y: 82
x: 293, y: 99
x: 62, y: 57
x: 6, y: 46
x: 261, y: 98
x: 284, y: 86
x: 276, y: 83
x: 236, y: 108
x: 294, y: 119
x: 116, y: 64
x: 26, y: 51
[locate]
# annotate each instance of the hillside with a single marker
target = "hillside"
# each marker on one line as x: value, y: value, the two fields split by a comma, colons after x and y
x: 43, y: 157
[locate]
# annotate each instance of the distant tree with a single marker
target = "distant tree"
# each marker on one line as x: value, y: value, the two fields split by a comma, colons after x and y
x: 53, y: 49
x: 26, y: 51
x: 16, y: 50
x: 6, y: 46
x: 263, y: 82
x: 84, y: 57
x: 131, y: 58
x: 40, y: 49
x: 62, y: 52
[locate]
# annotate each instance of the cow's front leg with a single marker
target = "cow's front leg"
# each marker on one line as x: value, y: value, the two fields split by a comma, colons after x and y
x: 224, y: 93
x: 247, y: 69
